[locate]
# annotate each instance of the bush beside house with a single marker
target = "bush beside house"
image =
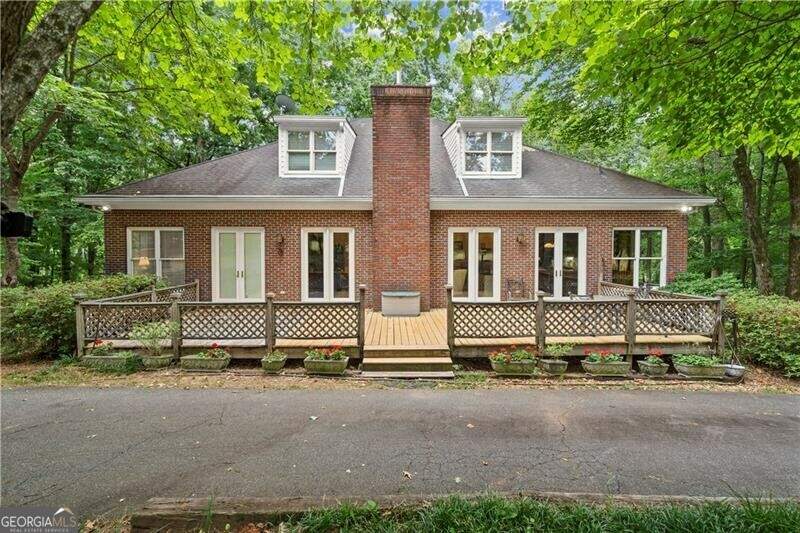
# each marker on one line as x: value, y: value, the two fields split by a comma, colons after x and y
x: 769, y: 326
x: 40, y: 322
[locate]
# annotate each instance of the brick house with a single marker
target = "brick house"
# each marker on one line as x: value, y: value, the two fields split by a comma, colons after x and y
x: 401, y: 201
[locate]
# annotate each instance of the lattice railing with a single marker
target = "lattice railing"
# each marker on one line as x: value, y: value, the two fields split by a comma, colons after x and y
x: 494, y: 320
x: 293, y: 320
x: 115, y: 320
x: 222, y: 321
x: 615, y: 289
x: 185, y: 293
x: 677, y: 317
x: 585, y: 318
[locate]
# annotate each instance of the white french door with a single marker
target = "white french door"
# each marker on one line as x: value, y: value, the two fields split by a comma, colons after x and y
x: 561, y: 261
x: 327, y: 258
x: 473, y: 258
x: 237, y: 257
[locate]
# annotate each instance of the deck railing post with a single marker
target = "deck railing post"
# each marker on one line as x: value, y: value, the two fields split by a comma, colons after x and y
x: 539, y: 324
x: 720, y: 333
x: 153, y: 294
x: 196, y: 290
x: 630, y: 326
x: 450, y: 325
x: 362, y: 292
x: 269, y: 322
x: 175, y: 317
x: 80, y: 325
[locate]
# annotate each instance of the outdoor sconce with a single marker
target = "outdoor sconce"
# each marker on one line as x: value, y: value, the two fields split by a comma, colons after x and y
x: 281, y: 244
x: 522, y: 239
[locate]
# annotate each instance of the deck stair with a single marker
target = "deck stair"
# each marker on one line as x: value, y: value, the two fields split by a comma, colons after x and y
x: 407, y: 362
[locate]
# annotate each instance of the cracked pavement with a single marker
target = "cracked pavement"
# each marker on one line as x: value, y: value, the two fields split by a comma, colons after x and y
x: 98, y: 450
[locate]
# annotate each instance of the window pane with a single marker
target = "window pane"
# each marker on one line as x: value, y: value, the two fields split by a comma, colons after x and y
x: 143, y: 269
x: 569, y: 263
x: 460, y: 265
x: 298, y: 140
x: 171, y: 244
x: 622, y: 271
x: 325, y: 140
x: 341, y: 265
x: 502, y: 141
x: 485, y: 264
x: 650, y: 271
x: 325, y: 161
x: 173, y: 270
x: 252, y: 265
x: 227, y: 265
x: 298, y: 161
x: 143, y: 244
x: 501, y: 162
x: 650, y: 243
x: 316, y: 279
x: 475, y: 162
x: 545, y: 267
x: 623, y: 243
x: 475, y: 141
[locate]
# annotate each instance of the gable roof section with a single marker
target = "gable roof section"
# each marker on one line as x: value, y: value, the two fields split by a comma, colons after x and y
x: 249, y: 179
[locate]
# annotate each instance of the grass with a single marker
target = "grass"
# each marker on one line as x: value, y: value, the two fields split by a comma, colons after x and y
x: 493, y: 513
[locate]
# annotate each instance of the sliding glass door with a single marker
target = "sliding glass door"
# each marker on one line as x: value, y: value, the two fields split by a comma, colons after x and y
x: 561, y: 261
x: 474, y: 263
x: 328, y: 264
x: 237, y: 264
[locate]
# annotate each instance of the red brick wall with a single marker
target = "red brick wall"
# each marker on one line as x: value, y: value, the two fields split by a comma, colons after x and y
x: 518, y: 258
x: 282, y: 269
x: 400, y: 189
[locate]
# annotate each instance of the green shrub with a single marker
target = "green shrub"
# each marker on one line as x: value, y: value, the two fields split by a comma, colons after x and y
x: 696, y: 283
x: 40, y: 322
x: 695, y: 360
x: 151, y: 335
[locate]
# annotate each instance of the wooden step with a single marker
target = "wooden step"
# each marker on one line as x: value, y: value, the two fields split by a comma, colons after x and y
x: 409, y: 375
x: 434, y: 350
x: 408, y: 364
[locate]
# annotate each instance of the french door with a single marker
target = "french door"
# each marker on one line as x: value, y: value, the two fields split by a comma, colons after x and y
x: 327, y: 264
x: 561, y: 261
x: 237, y: 264
x: 474, y: 263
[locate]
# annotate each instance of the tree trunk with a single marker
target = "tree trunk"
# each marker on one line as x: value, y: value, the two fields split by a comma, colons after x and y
x: 91, y: 258
x: 792, y: 164
x: 34, y: 55
x: 66, y: 253
x: 11, y: 260
x: 755, y: 231
x: 706, y: 210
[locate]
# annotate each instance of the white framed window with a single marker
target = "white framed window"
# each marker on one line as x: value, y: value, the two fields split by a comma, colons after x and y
x: 639, y: 256
x: 327, y: 270
x: 157, y: 251
x: 311, y: 151
x: 473, y: 259
x: 488, y: 152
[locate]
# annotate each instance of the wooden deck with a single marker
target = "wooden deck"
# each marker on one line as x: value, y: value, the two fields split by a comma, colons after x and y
x: 428, y: 330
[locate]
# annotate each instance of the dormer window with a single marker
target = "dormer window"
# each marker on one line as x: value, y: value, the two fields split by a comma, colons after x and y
x: 314, y: 147
x: 489, y: 152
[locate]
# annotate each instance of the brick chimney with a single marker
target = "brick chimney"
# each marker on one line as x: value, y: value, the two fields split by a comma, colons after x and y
x: 401, y: 219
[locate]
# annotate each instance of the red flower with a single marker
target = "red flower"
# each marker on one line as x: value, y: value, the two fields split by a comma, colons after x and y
x: 214, y: 345
x: 587, y: 351
x: 98, y: 342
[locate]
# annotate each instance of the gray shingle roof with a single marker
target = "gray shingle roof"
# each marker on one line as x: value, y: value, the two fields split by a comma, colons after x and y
x: 254, y: 172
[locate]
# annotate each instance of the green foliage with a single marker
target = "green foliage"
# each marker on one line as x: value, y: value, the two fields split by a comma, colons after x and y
x: 603, y: 356
x: 41, y: 322
x: 514, y: 353
x: 557, y: 351
x: 695, y: 360
x: 334, y: 353
x: 152, y: 334
x: 274, y: 356
x: 697, y: 283
x: 100, y: 348
x: 215, y: 352
x: 494, y: 513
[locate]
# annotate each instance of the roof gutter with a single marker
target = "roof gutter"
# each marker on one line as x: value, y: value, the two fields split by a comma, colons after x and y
x: 569, y: 204
x: 222, y: 203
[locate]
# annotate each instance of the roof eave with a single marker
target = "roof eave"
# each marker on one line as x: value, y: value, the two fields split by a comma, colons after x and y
x: 222, y: 203
x: 568, y: 204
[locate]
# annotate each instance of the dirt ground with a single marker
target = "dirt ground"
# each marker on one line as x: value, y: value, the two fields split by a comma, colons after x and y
x: 247, y: 375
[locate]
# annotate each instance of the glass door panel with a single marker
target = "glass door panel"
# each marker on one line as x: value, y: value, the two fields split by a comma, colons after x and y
x: 546, y: 264
x: 341, y: 265
x: 570, y: 257
x: 253, y: 267
x: 460, y: 254
x: 316, y: 264
x: 228, y: 271
x: 485, y: 264
x: 238, y: 265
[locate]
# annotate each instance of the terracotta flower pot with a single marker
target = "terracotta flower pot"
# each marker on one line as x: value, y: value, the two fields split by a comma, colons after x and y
x: 327, y: 367
x: 193, y: 363
x: 514, y: 368
x: 617, y: 368
x: 554, y: 367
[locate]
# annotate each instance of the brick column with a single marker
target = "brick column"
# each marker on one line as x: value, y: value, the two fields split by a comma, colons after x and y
x: 401, y: 190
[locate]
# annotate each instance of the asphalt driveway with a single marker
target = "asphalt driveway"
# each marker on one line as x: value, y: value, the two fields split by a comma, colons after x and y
x: 99, y: 450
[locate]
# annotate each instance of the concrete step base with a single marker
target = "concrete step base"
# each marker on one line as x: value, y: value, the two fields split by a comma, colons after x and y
x: 408, y: 364
x: 408, y: 375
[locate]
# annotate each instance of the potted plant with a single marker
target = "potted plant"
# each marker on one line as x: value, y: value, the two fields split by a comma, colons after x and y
x: 151, y: 336
x: 514, y: 362
x: 653, y: 365
x: 273, y: 362
x: 326, y: 361
x: 102, y: 356
x: 698, y: 366
x: 553, y: 363
x: 604, y: 363
x: 215, y: 359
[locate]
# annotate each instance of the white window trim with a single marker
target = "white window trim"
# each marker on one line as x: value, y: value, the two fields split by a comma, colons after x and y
x: 157, y: 244
x: 472, y: 282
x: 311, y: 172
x: 215, y: 231
x: 558, y: 258
x: 327, y: 244
x: 489, y: 173
x: 637, y: 252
